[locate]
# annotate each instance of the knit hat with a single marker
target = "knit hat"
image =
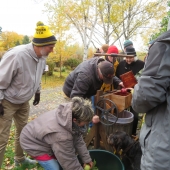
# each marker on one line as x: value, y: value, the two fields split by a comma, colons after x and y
x: 105, y: 48
x: 130, y: 51
x: 43, y: 35
x: 127, y: 43
x: 112, y: 49
x: 107, y: 71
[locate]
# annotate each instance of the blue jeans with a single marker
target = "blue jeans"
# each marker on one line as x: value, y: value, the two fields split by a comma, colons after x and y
x: 50, y: 165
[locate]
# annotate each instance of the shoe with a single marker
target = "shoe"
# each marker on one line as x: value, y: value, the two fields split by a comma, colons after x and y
x: 25, y: 161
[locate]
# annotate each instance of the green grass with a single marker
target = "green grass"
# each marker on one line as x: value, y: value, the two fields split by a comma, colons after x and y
x: 8, y: 163
x: 54, y: 80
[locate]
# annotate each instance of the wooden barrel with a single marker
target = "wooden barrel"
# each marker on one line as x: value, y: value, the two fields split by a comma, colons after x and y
x: 123, y: 123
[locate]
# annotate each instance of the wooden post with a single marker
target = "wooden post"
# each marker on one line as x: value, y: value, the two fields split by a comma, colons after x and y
x: 96, y: 126
x: 94, y: 131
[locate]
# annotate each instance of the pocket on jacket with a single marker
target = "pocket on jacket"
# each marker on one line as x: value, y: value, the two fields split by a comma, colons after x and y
x: 144, y: 135
x: 148, y: 118
x: 19, y: 93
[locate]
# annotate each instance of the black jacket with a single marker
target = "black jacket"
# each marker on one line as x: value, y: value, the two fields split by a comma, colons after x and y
x: 124, y: 67
x: 84, y: 81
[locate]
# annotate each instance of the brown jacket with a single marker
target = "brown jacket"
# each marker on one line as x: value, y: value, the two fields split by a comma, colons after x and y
x: 51, y: 133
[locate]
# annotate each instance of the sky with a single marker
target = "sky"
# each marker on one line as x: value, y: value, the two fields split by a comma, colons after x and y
x: 21, y: 16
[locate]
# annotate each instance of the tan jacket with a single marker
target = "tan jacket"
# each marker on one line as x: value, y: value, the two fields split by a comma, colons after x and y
x: 51, y: 133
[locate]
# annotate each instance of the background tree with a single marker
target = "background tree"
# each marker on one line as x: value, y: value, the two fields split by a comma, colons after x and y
x: 122, y: 19
x: 25, y: 40
x: 80, y: 15
x: 10, y: 39
x: 108, y: 21
x: 163, y: 25
x: 60, y: 29
x: 0, y: 29
x: 17, y: 43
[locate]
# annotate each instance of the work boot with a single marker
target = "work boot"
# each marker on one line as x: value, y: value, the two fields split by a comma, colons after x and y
x: 25, y: 161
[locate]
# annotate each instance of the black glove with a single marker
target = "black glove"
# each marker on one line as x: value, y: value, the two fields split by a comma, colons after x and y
x: 36, y: 99
x: 1, y: 110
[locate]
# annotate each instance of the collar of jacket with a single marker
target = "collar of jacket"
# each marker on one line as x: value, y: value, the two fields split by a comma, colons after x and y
x: 79, y: 130
x: 32, y: 52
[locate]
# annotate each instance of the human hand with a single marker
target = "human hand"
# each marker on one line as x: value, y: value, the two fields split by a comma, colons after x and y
x: 36, y: 99
x: 95, y: 119
x: 1, y: 110
x: 121, y: 84
x: 88, y: 164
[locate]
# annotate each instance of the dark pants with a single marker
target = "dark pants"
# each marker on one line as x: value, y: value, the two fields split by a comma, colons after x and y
x: 135, y: 121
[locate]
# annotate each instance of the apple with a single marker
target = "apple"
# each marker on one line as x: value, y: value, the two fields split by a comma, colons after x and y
x: 87, y: 167
x: 123, y: 90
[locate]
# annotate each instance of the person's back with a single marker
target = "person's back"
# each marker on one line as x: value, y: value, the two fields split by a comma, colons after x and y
x: 56, y: 123
x: 152, y: 96
x: 54, y: 138
x: 85, y: 72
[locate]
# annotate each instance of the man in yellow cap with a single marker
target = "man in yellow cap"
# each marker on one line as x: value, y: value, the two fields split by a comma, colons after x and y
x: 21, y: 69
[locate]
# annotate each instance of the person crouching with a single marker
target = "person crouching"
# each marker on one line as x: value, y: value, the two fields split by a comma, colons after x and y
x: 54, y: 138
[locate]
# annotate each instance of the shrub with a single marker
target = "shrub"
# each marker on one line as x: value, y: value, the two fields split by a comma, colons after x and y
x: 56, y: 69
x: 72, y: 62
x: 57, y: 64
x: 50, y: 67
x: 63, y: 69
x: 68, y: 67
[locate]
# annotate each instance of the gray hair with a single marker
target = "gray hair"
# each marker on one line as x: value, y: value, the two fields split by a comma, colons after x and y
x: 82, y: 109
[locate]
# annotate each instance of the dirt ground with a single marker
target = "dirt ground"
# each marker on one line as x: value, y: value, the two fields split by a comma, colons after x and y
x: 49, y: 100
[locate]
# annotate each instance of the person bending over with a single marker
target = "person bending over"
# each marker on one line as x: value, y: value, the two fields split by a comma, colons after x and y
x: 54, y: 138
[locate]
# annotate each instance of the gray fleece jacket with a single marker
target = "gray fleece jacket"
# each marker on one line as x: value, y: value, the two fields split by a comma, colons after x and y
x: 20, y: 74
x: 52, y: 133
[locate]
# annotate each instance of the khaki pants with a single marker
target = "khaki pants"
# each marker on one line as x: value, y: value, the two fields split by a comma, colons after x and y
x: 19, y: 113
